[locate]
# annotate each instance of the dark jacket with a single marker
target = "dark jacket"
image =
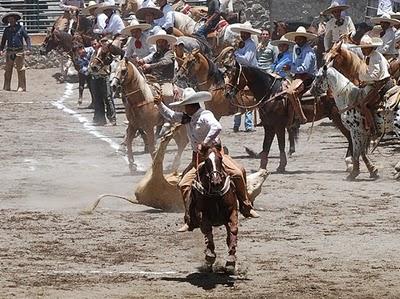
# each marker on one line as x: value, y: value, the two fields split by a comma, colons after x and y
x: 162, y: 65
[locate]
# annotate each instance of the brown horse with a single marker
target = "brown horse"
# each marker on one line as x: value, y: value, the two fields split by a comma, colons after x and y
x: 214, y: 203
x: 141, y: 111
x: 274, y: 108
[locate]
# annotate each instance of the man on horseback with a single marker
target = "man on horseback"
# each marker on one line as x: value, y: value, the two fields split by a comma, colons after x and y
x: 98, y: 20
x: 137, y: 47
x: 114, y: 23
x: 203, y: 130
x: 303, y: 68
x: 337, y: 26
x: 167, y: 21
x: 149, y: 15
x: 284, y: 56
x: 212, y: 19
x: 375, y: 80
x: 71, y: 11
x: 14, y: 36
x: 388, y: 36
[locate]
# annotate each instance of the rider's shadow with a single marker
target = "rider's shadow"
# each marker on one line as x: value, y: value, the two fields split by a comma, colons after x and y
x: 206, y: 281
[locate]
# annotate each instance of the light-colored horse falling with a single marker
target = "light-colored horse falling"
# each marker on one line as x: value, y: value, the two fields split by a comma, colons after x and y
x: 345, y: 94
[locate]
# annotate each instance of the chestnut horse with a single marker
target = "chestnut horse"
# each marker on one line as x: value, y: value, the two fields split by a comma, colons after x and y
x: 274, y: 109
x: 214, y: 203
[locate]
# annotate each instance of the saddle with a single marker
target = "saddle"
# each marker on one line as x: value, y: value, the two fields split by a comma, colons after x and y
x: 391, y: 99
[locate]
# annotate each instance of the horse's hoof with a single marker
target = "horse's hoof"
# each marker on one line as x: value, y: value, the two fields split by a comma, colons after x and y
x: 352, y: 176
x: 374, y: 174
x: 230, y: 264
x: 132, y: 168
x: 210, y: 257
x: 280, y: 169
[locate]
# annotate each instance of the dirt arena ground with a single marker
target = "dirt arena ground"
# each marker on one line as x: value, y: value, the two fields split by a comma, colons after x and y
x: 318, y: 236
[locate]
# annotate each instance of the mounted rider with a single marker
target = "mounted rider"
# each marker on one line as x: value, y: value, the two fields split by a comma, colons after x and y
x: 138, y: 49
x: 284, y: 57
x: 13, y: 37
x: 149, y: 15
x: 203, y: 130
x: 212, y: 19
x: 388, y: 36
x: 337, y: 26
x: 114, y: 23
x: 303, y: 68
x: 99, y: 19
x: 167, y: 21
x: 71, y: 10
x: 375, y: 80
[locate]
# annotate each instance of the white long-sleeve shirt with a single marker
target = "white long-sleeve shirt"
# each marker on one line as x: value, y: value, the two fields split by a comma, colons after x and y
x: 145, y: 52
x: 248, y: 54
x: 100, y: 23
x: 333, y: 31
x: 377, y: 70
x: 389, y: 42
x: 115, y: 25
x: 148, y: 3
x: 168, y: 20
x: 67, y: 4
x: 202, y: 128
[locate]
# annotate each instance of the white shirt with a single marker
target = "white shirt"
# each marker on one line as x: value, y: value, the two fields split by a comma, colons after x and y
x: 389, y: 42
x: 141, y: 53
x: 66, y: 4
x: 168, y: 20
x: 100, y: 23
x: 202, y: 128
x: 115, y: 25
x: 385, y: 7
x: 248, y: 54
x: 333, y: 32
x: 148, y: 3
x: 378, y: 68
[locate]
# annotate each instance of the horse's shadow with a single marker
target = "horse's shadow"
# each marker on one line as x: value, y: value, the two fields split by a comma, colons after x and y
x: 206, y: 281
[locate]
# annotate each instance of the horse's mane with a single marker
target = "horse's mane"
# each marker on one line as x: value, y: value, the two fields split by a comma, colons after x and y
x: 263, y: 80
x: 354, y: 64
x: 214, y: 72
x: 141, y: 83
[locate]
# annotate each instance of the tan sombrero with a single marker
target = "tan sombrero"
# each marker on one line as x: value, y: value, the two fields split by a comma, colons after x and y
x: 141, y: 13
x: 161, y: 34
x: 301, y: 31
x: 135, y: 25
x: 190, y: 96
x: 105, y: 6
x: 385, y: 18
x: 17, y: 15
x: 91, y: 5
x: 283, y: 40
x: 335, y: 6
x: 237, y: 28
x: 369, y: 42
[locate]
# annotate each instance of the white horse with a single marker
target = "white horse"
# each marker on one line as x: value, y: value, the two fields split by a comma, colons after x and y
x: 346, y: 94
x: 185, y: 23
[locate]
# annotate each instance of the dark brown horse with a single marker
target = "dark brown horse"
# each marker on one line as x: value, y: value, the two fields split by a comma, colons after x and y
x: 275, y: 111
x: 214, y: 203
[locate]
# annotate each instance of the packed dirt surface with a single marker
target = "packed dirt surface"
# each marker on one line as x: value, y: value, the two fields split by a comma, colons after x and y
x: 318, y: 236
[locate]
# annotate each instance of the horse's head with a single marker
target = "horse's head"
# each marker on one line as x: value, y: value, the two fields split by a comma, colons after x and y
x: 211, y: 173
x: 237, y: 81
x: 99, y: 60
x: 320, y: 84
x: 50, y: 42
x: 334, y: 53
x: 120, y: 75
x: 190, y: 66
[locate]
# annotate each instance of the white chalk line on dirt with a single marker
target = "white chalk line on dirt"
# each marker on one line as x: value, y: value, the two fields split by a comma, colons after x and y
x: 68, y: 92
x: 102, y: 272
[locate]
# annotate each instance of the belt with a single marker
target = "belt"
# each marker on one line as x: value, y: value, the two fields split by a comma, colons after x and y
x: 15, y: 49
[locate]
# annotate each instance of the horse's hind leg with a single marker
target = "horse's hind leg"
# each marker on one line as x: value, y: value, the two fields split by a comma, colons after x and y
x: 129, y: 140
x: 269, y: 135
x: 357, y: 144
x: 373, y: 170
x: 231, y: 241
x: 282, y: 154
x: 210, y: 255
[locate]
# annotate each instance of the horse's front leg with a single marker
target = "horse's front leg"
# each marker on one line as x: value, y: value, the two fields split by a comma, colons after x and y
x: 231, y: 240
x: 210, y: 255
x: 292, y: 140
x: 269, y: 134
x: 280, y: 131
x: 356, y: 155
x: 131, y: 132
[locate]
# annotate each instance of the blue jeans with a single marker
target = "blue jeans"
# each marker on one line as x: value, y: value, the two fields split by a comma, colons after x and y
x: 248, y: 120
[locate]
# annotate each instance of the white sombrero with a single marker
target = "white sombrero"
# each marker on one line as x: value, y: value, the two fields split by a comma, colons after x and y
x: 369, y: 42
x: 105, y: 6
x: 281, y: 41
x: 237, y: 28
x: 16, y: 15
x: 335, y: 6
x: 141, y: 13
x: 135, y: 25
x: 161, y: 34
x: 190, y: 96
x: 385, y: 18
x: 301, y: 31
x: 91, y: 5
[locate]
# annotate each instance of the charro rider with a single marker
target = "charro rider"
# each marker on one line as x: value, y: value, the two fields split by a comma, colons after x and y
x: 149, y: 15
x: 161, y: 64
x: 14, y: 36
x: 167, y: 21
x: 203, y: 129
x: 375, y: 80
x: 303, y: 68
x: 337, y: 26
x: 138, y: 48
x: 212, y: 19
x: 114, y: 23
x: 388, y: 35
x: 71, y: 10
x: 284, y: 57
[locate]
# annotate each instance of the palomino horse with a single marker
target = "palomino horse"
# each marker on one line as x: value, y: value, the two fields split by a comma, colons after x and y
x: 345, y: 94
x: 274, y: 108
x: 141, y: 111
x: 214, y: 203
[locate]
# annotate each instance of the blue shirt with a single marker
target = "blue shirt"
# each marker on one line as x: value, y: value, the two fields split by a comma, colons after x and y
x: 283, y: 59
x: 14, y: 36
x: 304, y: 60
x: 84, y: 61
x: 247, y: 55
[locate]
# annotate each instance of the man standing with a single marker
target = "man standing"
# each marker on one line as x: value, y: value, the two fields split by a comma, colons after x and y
x: 266, y: 51
x: 303, y: 68
x: 338, y: 25
x: 212, y: 19
x: 203, y: 130
x: 167, y: 21
x: 246, y: 55
x: 13, y: 37
x: 388, y: 35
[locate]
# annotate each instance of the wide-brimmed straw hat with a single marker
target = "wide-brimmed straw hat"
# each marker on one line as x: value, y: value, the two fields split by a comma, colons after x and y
x: 237, y: 28
x: 135, y: 25
x: 335, y: 6
x: 16, y: 15
x: 369, y: 42
x: 282, y: 40
x: 105, y: 6
x: 385, y: 18
x: 161, y: 34
x: 301, y: 31
x: 91, y: 5
x: 190, y: 96
x: 141, y: 13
